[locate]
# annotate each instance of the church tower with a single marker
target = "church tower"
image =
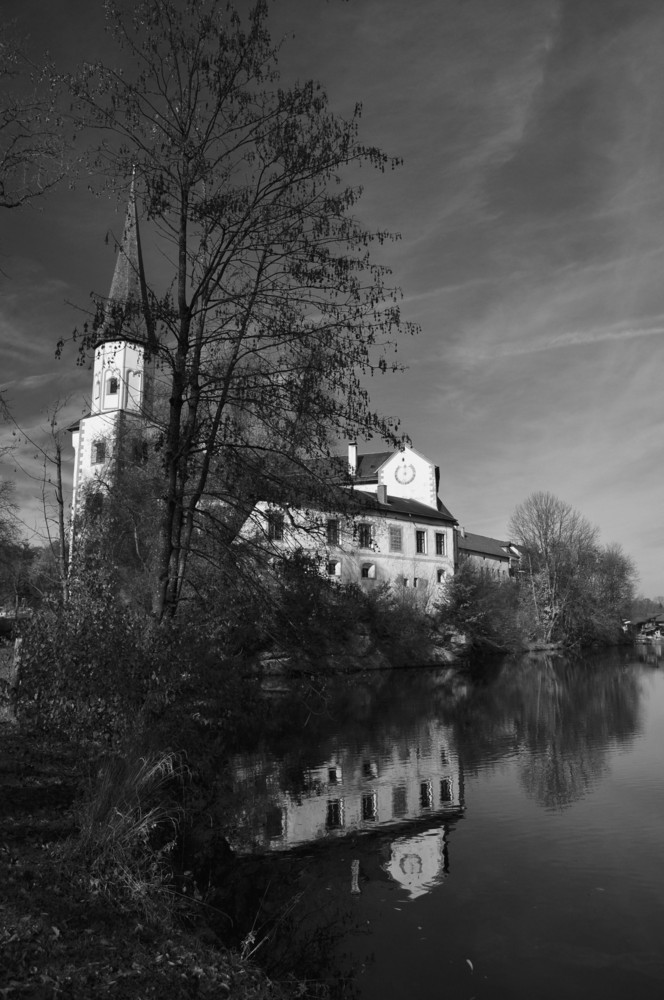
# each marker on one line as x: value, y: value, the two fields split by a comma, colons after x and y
x: 123, y: 374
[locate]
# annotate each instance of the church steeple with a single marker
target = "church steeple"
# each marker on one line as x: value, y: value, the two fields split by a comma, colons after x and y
x: 123, y: 375
x: 127, y: 314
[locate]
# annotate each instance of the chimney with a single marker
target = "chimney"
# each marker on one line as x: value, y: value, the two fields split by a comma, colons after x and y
x: 381, y: 493
x: 352, y: 458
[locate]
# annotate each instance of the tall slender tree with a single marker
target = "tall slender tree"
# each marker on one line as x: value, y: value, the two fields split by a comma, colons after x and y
x: 271, y: 312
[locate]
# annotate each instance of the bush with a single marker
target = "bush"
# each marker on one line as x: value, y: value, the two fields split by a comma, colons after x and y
x: 128, y: 831
x: 484, y: 609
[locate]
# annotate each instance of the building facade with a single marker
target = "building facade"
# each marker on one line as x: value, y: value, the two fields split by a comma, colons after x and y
x: 496, y: 558
x: 395, y: 528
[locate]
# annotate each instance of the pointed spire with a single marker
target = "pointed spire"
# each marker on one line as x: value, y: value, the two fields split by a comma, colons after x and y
x: 127, y: 315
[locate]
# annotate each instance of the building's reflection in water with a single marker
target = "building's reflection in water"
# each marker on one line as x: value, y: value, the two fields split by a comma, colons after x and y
x: 404, y: 794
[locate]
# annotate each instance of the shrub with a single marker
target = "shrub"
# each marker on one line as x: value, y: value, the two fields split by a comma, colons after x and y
x: 128, y: 831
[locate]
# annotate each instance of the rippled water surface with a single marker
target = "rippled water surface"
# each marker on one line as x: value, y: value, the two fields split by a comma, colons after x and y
x: 496, y: 836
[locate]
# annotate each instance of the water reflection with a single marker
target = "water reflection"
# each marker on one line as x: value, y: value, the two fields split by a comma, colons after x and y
x: 359, y: 807
x: 560, y: 716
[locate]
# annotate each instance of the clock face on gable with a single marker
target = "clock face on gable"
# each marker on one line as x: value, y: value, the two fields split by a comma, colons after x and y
x: 404, y: 473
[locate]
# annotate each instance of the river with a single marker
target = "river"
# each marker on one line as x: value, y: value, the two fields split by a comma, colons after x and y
x: 498, y: 834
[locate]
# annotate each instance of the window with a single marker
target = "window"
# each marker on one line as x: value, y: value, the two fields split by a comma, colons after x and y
x: 421, y: 542
x: 369, y: 810
x: 275, y: 527
x: 445, y: 790
x: 335, y: 814
x: 113, y: 386
x: 333, y: 567
x: 368, y: 571
x: 334, y: 775
x: 396, y: 539
x: 364, y: 536
x: 332, y: 532
x: 426, y: 795
x: 441, y: 576
x: 440, y: 543
x: 98, y: 452
x: 399, y: 801
x: 406, y: 582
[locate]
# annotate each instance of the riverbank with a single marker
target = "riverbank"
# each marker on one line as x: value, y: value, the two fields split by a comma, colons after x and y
x: 58, y: 937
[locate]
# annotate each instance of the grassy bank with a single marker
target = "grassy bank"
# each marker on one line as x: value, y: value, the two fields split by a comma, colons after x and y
x: 59, y: 937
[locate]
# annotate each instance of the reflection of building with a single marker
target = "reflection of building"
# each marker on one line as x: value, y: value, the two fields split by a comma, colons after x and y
x: 362, y: 792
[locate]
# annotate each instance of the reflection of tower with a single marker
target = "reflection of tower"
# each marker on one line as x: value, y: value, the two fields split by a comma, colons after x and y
x: 419, y: 863
x: 123, y: 376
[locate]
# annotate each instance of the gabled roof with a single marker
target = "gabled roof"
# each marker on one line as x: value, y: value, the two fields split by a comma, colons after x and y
x: 483, y: 545
x: 404, y: 509
x: 368, y: 465
x: 127, y: 315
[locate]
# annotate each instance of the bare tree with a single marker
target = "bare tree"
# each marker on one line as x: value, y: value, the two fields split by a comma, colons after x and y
x: 47, y: 453
x: 274, y: 312
x: 559, y: 544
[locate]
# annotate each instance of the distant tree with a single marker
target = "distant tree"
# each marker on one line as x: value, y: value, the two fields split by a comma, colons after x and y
x: 559, y: 544
x: 32, y: 145
x: 573, y: 589
x: 274, y: 312
x: 46, y: 446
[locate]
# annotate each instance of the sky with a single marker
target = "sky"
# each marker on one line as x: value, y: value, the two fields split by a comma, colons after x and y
x: 530, y: 210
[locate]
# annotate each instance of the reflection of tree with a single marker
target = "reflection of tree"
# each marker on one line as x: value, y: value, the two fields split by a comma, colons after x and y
x: 565, y: 715
x: 556, y: 779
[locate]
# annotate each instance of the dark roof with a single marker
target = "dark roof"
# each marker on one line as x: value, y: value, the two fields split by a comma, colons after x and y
x: 368, y: 465
x: 483, y: 545
x: 127, y: 315
x: 402, y: 508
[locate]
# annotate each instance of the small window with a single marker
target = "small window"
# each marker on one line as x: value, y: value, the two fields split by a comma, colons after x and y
x: 333, y: 567
x: 368, y: 571
x: 275, y: 527
x: 396, y: 539
x: 399, y: 801
x: 98, y: 452
x: 445, y: 791
x: 332, y: 532
x: 426, y: 795
x: 405, y: 581
x: 421, y: 542
x: 113, y: 386
x: 369, y: 807
x: 416, y: 582
x: 334, y: 775
x: 335, y: 814
x: 440, y: 543
x: 441, y: 576
x: 364, y: 536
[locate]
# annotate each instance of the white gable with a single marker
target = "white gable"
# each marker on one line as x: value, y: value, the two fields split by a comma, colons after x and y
x: 409, y: 475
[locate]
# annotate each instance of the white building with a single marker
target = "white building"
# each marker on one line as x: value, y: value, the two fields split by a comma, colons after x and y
x: 395, y: 528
